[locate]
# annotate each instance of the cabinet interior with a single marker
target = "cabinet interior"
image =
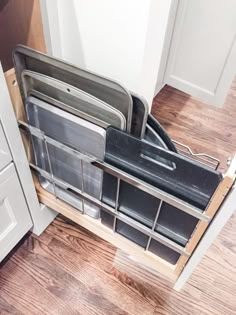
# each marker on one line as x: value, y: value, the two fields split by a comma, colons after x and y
x: 20, y: 23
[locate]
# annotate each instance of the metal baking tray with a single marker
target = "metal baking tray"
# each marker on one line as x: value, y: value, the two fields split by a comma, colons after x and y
x: 139, y: 116
x: 154, y: 138
x: 65, y: 167
x: 72, y: 100
x: 78, y: 134
x: 109, y: 91
x: 157, y: 135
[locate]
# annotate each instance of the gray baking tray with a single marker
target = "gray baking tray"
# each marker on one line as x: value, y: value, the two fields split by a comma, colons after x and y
x: 76, y: 133
x: 72, y: 100
x: 156, y: 132
x: 153, y: 137
x: 109, y: 91
x: 139, y: 116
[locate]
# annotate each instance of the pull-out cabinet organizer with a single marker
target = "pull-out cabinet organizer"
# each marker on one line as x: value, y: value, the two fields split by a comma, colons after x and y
x: 155, y: 203
x: 165, y: 230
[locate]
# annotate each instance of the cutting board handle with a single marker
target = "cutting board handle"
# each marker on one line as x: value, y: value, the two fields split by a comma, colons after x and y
x: 170, y: 166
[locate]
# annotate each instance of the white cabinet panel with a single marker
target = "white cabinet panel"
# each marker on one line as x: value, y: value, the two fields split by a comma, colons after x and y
x: 5, y: 155
x: 15, y: 220
x: 202, y: 59
x: 41, y: 218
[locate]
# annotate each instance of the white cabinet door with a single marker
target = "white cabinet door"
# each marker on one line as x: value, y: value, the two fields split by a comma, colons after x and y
x: 15, y: 220
x: 5, y: 155
x: 202, y: 58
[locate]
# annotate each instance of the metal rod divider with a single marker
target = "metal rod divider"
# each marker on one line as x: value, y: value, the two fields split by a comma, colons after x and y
x: 116, y: 204
x: 132, y: 180
x: 50, y: 166
x: 154, y: 223
x: 82, y: 184
x: 147, y: 231
x: 156, y: 192
x: 199, y: 156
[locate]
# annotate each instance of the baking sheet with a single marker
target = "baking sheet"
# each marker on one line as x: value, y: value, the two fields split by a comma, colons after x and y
x: 72, y: 100
x: 72, y: 131
x: 107, y: 90
x: 157, y: 135
x: 139, y: 116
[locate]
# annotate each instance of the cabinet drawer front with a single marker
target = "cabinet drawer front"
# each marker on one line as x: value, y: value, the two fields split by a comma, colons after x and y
x: 5, y: 155
x: 15, y: 220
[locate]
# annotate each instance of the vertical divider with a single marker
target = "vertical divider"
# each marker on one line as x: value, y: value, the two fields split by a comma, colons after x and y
x: 82, y: 184
x: 50, y: 165
x: 154, y: 224
x: 117, y: 203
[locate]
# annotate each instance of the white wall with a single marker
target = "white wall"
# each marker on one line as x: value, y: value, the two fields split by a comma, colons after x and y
x: 121, y: 39
x: 158, y: 36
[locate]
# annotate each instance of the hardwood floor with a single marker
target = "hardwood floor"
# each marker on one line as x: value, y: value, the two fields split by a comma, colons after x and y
x: 68, y: 270
x: 203, y: 127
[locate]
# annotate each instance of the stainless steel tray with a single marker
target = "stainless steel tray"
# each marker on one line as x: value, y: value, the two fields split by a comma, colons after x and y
x: 76, y: 133
x: 72, y: 100
x: 103, y: 88
x: 156, y: 128
x: 152, y: 136
x: 139, y: 116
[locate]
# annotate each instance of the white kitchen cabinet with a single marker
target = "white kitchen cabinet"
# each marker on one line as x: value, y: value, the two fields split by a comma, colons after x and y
x: 202, y: 56
x: 122, y: 40
x: 41, y: 216
x: 18, y: 199
x: 15, y: 220
x: 5, y: 155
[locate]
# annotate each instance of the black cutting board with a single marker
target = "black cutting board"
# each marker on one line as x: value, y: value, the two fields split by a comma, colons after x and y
x: 187, y: 180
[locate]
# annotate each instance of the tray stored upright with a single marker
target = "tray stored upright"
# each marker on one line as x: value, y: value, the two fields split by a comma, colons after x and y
x: 171, y: 249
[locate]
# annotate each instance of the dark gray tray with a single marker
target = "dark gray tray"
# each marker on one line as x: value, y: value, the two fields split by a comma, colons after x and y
x: 188, y: 180
x: 139, y: 116
x: 157, y: 135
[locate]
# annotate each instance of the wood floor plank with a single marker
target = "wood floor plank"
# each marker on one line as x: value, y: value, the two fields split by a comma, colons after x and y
x: 87, y: 263
x: 8, y: 309
x: 71, y: 271
x: 19, y: 288
x: 64, y: 284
